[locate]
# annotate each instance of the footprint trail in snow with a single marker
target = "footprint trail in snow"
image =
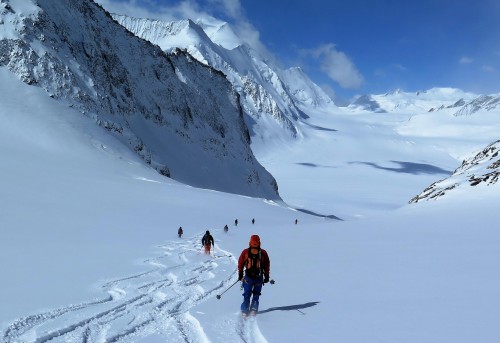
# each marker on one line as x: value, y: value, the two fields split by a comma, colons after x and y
x: 154, y: 302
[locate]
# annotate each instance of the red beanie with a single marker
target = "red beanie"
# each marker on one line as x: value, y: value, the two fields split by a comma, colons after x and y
x: 255, y: 241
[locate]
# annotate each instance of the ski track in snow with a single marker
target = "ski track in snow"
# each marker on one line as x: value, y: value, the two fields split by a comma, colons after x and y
x: 156, y: 301
x: 249, y: 332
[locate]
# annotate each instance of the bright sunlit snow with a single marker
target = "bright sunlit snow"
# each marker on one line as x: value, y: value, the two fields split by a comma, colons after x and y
x: 90, y: 251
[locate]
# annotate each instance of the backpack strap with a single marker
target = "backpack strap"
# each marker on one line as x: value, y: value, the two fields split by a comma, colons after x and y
x: 257, y: 258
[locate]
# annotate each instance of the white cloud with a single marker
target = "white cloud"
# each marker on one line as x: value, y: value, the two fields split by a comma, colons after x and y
x: 465, y: 60
x: 488, y: 69
x: 232, y: 8
x: 191, y: 9
x: 399, y: 67
x: 338, y: 66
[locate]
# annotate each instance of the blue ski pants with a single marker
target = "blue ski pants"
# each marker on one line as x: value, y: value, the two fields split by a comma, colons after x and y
x: 251, y: 287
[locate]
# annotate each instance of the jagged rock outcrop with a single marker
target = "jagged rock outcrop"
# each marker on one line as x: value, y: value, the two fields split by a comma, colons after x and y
x: 482, y: 169
x: 482, y: 102
x: 181, y: 116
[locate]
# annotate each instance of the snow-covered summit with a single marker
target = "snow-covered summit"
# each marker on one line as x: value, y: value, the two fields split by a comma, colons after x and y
x: 220, y: 33
x: 182, y: 117
x: 266, y: 91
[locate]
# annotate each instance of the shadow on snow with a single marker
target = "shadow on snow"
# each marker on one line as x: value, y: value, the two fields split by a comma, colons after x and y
x: 329, y: 216
x: 409, y: 168
x: 291, y: 307
x: 307, y: 164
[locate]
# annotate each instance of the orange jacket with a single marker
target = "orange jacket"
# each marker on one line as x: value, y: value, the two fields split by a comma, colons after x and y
x: 264, y: 261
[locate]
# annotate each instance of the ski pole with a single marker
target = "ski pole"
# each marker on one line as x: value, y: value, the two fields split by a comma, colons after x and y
x: 219, y: 295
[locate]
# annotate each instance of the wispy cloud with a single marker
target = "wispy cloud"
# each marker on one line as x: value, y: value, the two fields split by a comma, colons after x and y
x: 334, y: 63
x: 488, y: 69
x: 191, y: 9
x: 465, y: 60
x: 399, y: 67
x: 232, y: 8
x: 337, y: 65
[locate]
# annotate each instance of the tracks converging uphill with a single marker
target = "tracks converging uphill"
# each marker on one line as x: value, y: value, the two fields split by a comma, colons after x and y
x: 156, y: 301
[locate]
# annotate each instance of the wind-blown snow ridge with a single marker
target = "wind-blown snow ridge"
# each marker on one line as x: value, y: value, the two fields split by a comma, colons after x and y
x: 483, y: 168
x: 182, y: 117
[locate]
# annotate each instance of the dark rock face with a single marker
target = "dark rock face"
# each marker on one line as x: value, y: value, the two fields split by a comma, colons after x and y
x: 182, y: 117
x: 483, y: 168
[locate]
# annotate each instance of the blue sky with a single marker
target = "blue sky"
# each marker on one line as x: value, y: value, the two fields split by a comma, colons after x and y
x: 361, y: 46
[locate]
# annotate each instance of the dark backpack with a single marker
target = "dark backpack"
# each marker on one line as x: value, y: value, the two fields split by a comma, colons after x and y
x: 206, y: 240
x: 253, y: 263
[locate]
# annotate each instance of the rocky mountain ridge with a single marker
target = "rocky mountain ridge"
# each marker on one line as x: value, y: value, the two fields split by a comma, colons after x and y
x: 181, y: 116
x: 481, y: 169
x: 265, y: 89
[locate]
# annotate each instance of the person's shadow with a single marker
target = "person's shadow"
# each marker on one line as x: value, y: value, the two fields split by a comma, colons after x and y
x: 291, y: 307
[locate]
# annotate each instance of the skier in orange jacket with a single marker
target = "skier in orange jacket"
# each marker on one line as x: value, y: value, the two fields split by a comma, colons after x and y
x: 255, y: 262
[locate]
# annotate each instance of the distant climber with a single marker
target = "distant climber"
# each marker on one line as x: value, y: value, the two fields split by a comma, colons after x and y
x: 253, y: 220
x: 207, y: 241
x: 236, y: 222
x: 226, y: 229
x: 180, y: 232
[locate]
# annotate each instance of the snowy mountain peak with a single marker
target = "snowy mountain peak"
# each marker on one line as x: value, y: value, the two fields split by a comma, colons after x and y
x: 182, y: 117
x: 265, y: 90
x: 220, y: 33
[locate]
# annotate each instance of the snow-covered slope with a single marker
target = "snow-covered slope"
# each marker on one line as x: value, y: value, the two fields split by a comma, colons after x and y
x: 417, y: 102
x: 266, y: 91
x: 182, y: 117
x: 481, y: 170
x: 447, y: 100
x: 89, y: 244
x: 303, y: 89
x: 90, y: 252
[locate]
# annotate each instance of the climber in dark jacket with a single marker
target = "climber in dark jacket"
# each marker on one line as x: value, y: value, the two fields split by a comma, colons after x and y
x: 207, y: 241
